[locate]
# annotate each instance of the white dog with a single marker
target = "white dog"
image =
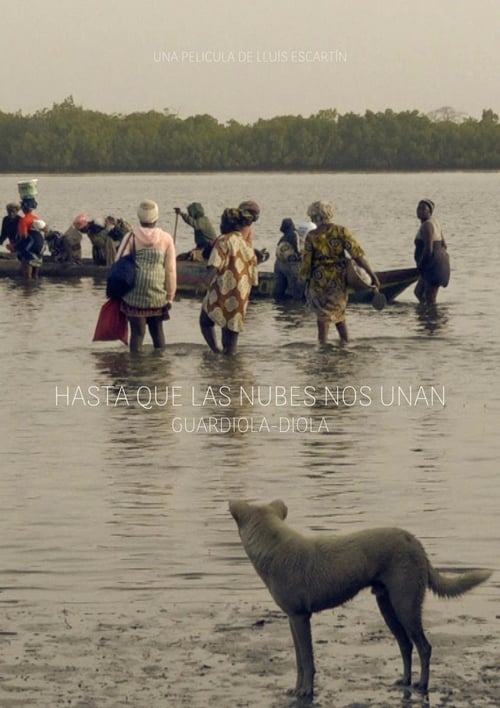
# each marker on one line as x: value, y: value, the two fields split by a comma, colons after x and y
x: 310, y: 574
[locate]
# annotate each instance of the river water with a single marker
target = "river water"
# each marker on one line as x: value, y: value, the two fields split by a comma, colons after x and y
x: 116, y: 469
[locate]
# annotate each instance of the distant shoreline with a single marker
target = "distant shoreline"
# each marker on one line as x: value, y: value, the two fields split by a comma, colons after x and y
x: 70, y: 139
x: 78, y: 173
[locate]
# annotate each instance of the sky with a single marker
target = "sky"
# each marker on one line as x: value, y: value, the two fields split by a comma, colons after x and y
x: 246, y: 60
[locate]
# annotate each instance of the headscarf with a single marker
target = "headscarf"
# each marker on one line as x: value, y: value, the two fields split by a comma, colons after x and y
x: 195, y: 210
x: 429, y: 203
x: 233, y: 219
x: 80, y: 221
x: 251, y: 206
x: 147, y: 212
x: 303, y: 229
x: 287, y: 225
x: 321, y: 212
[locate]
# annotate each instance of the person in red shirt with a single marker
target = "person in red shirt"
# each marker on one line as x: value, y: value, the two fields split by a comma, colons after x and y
x: 30, y: 249
x: 28, y: 204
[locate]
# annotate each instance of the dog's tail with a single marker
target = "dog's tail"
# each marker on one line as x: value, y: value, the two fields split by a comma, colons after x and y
x: 453, y: 585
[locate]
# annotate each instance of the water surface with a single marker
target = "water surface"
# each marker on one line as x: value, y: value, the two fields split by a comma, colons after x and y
x: 114, y: 491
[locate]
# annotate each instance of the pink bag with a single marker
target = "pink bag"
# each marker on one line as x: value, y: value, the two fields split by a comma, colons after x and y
x: 111, y: 323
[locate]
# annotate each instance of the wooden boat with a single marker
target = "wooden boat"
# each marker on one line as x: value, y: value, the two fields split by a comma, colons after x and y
x: 392, y: 282
x: 190, y: 277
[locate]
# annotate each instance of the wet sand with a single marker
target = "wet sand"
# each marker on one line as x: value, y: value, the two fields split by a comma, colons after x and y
x: 236, y: 652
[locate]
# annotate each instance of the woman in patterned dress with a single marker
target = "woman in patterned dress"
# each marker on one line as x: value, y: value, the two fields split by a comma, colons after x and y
x: 323, y: 269
x: 150, y: 300
x: 232, y: 271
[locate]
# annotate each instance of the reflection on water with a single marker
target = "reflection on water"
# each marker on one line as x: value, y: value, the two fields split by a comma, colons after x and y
x: 432, y: 319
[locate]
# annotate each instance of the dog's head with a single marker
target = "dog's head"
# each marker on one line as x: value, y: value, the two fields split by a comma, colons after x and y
x: 242, y: 510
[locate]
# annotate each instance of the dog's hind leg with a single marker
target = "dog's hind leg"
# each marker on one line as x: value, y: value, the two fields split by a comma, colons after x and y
x: 424, y: 652
x: 408, y: 610
x: 300, y: 626
x: 391, y: 620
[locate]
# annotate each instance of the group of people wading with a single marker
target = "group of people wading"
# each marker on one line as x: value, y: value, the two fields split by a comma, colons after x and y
x: 316, y: 269
x: 231, y: 272
x: 311, y: 263
x: 29, y: 237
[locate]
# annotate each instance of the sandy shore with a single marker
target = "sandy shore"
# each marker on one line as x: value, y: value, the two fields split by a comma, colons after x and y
x: 236, y: 653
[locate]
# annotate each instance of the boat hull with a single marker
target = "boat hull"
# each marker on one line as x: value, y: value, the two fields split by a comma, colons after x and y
x: 190, y: 277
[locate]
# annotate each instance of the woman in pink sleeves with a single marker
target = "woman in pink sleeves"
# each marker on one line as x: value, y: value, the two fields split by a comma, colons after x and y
x: 149, y: 301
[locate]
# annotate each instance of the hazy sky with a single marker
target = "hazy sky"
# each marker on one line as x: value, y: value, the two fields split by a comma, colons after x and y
x: 252, y: 59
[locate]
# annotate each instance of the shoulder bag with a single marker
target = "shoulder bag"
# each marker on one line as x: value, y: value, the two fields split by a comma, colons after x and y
x: 122, y: 274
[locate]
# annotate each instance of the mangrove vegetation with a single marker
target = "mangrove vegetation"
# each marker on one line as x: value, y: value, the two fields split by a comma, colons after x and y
x: 69, y: 138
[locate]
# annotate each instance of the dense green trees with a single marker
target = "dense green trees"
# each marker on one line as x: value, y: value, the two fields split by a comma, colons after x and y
x: 69, y: 138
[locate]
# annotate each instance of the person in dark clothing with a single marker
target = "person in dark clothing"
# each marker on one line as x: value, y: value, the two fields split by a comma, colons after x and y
x: 204, y: 232
x: 431, y: 255
x: 286, y: 266
x: 10, y: 224
x: 290, y: 236
x: 116, y: 230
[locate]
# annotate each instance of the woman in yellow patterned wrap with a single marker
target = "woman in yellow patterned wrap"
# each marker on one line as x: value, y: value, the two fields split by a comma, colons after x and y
x: 323, y: 269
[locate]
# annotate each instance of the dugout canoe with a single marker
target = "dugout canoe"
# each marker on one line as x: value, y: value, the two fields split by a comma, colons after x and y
x: 190, y: 277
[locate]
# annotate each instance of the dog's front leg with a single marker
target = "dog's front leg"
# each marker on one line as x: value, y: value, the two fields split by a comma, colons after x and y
x: 302, y: 640
x: 298, y: 659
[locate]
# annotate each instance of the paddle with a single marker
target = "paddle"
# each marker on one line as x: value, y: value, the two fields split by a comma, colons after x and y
x: 175, y: 224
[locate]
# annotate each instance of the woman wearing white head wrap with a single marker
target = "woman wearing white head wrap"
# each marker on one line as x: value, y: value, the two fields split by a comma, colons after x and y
x: 149, y: 302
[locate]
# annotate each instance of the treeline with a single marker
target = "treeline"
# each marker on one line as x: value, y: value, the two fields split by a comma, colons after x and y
x: 69, y: 138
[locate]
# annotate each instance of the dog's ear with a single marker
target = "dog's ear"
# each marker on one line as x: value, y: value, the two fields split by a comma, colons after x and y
x: 280, y: 508
x: 237, y: 507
